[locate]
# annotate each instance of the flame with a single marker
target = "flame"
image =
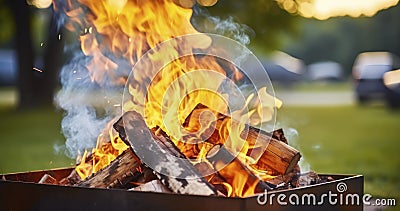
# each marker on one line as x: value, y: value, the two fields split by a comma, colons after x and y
x: 109, y: 146
x: 112, y: 30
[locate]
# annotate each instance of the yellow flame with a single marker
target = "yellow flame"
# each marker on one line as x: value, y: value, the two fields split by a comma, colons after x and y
x: 129, y: 28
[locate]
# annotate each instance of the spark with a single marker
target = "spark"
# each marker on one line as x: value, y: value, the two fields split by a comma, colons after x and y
x: 37, y: 69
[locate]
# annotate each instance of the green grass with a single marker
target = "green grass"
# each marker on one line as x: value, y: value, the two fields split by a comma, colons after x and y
x: 338, y: 140
x: 316, y: 87
x: 27, y: 139
x: 350, y: 140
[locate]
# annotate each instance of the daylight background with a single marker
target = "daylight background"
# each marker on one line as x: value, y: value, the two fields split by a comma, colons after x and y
x: 308, y: 47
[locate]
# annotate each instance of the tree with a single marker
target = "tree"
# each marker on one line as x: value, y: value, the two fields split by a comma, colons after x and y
x: 341, y: 39
x: 268, y: 23
x: 35, y: 86
x: 23, y: 43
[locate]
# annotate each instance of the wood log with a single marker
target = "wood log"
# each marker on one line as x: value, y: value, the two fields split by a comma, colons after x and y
x: 142, y: 176
x: 243, y: 182
x: 279, y: 135
x: 152, y: 186
x: 47, y: 179
x: 116, y: 173
x: 176, y: 173
x: 278, y: 158
x: 72, y: 179
x: 312, y: 178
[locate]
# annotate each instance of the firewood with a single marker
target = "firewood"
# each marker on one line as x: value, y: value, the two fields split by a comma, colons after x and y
x: 278, y: 157
x: 47, y: 179
x: 279, y: 135
x: 143, y: 175
x: 178, y: 174
x: 234, y: 172
x: 152, y: 186
x: 312, y: 178
x: 124, y: 166
x: 72, y: 179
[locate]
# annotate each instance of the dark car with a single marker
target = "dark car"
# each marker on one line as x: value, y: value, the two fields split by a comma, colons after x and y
x: 8, y: 68
x: 368, y: 71
x: 328, y: 71
x: 281, y: 75
x: 391, y: 80
x: 370, y: 84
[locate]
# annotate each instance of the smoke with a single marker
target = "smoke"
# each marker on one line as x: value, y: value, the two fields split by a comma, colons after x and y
x: 89, y: 103
x: 292, y: 135
x: 206, y: 23
x: 88, y: 106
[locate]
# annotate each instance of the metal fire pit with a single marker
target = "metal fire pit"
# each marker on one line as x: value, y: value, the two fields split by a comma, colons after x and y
x: 20, y: 191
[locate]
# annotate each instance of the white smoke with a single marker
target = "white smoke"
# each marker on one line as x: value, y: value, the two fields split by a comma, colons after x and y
x: 228, y: 27
x: 292, y: 135
x: 89, y: 105
x: 86, y: 104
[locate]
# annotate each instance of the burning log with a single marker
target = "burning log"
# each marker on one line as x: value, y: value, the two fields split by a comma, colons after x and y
x: 279, y: 158
x: 234, y: 172
x: 182, y: 176
x: 124, y: 166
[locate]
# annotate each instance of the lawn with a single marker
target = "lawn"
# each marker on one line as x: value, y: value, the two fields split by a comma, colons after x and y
x: 28, y: 138
x: 316, y: 86
x: 348, y: 139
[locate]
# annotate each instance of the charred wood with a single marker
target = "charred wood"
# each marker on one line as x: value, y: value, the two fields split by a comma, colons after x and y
x: 182, y: 176
x: 115, y: 174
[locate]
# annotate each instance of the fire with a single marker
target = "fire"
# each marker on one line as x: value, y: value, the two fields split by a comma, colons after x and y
x: 112, y: 30
x: 109, y: 146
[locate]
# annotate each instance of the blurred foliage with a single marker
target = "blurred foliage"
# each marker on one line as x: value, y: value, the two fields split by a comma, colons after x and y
x: 266, y: 20
x: 6, y: 24
x: 270, y: 25
x: 39, y: 23
x: 342, y: 39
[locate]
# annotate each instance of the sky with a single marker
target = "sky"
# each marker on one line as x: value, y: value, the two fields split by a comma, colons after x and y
x: 323, y: 9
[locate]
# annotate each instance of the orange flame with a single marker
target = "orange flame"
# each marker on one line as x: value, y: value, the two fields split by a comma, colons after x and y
x: 129, y: 28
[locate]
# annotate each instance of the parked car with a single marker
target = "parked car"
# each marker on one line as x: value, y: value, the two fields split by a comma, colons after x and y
x: 368, y: 71
x: 284, y: 69
x: 325, y: 71
x: 281, y: 75
x: 391, y: 80
x: 8, y: 68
